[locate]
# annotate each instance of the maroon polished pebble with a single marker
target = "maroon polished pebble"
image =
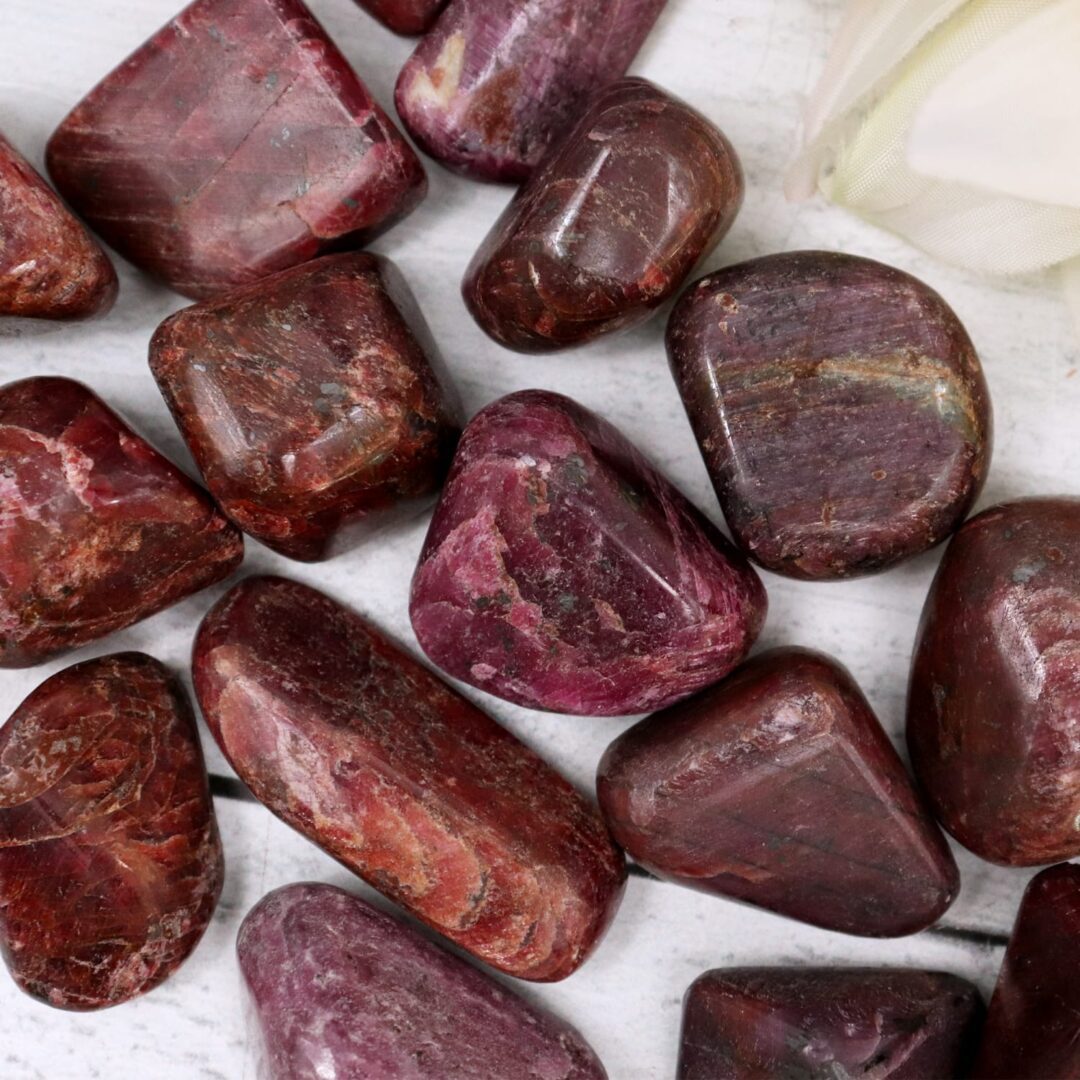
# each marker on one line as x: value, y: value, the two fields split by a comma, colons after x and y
x: 994, y: 700
x: 98, y: 530
x: 309, y: 400
x: 405, y: 16
x: 778, y: 787
x: 110, y: 861
x: 828, y: 1024
x: 608, y: 227
x: 563, y: 572
x: 840, y: 408
x: 236, y: 142
x: 381, y: 764
x: 495, y: 82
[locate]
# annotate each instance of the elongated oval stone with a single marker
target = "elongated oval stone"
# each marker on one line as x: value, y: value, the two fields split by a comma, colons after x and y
x: 373, y: 758
x: 562, y: 571
x: 779, y: 788
x: 610, y: 224
x: 840, y: 408
x: 495, y: 82
x: 339, y: 989
x: 994, y: 703
x: 405, y: 16
x: 110, y: 861
x: 98, y: 530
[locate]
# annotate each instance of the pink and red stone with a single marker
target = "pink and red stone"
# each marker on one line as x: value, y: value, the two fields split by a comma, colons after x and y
x: 563, y: 572
x: 609, y: 225
x: 340, y: 989
x: 779, y: 788
x: 98, y: 530
x: 110, y: 861
x: 309, y: 400
x: 235, y: 143
x: 405, y: 16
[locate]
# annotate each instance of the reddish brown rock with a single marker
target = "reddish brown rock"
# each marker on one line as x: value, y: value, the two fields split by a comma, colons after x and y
x: 110, y: 861
x: 98, y: 530
x: 309, y: 400
x: 377, y: 761
x: 610, y: 224
x: 405, y: 16
x: 994, y: 700
x: 778, y: 787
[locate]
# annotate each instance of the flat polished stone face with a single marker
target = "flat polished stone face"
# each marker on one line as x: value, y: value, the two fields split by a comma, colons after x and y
x: 994, y: 701
x: 405, y: 16
x: 610, y: 224
x: 779, y: 788
x: 495, y: 82
x: 309, y: 400
x: 373, y: 758
x: 98, y: 529
x: 840, y: 408
x: 110, y: 861
x: 563, y: 572
x: 235, y: 143
x: 339, y: 989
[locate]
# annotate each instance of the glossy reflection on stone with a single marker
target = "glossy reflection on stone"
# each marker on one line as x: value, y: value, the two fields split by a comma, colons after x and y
x: 236, y: 142
x: 609, y: 225
x: 778, y: 787
x: 338, y: 989
x: 405, y: 16
x: 110, y: 861
x: 309, y: 400
x: 373, y: 758
x: 840, y: 408
x: 994, y: 701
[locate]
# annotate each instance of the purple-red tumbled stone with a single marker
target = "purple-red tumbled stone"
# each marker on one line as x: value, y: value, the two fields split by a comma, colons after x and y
x: 405, y: 16
x: 779, y: 788
x: 236, y: 142
x: 309, y: 400
x: 563, y: 572
x: 97, y: 529
x: 994, y: 700
x: 495, y: 82
x: 610, y: 224
x: 338, y: 989
x: 828, y: 1024
x: 381, y: 764
x: 840, y: 408
x: 110, y: 861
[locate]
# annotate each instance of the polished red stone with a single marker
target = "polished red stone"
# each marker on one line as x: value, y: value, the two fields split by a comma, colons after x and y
x: 840, y: 408
x: 495, y: 82
x: 97, y: 530
x: 50, y: 267
x: 563, y: 572
x: 309, y: 400
x: 110, y: 861
x: 373, y: 758
x: 778, y: 787
x: 405, y: 16
x: 608, y: 227
x: 828, y: 1024
x: 236, y: 142
x: 341, y: 990
x: 994, y: 700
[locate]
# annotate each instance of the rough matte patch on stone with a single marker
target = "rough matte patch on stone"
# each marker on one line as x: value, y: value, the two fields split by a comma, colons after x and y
x: 405, y: 16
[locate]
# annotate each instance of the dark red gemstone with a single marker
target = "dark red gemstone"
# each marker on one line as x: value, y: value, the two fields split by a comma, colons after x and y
x: 405, y: 16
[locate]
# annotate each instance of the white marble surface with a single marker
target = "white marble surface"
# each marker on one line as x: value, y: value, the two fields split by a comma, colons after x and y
x: 747, y: 64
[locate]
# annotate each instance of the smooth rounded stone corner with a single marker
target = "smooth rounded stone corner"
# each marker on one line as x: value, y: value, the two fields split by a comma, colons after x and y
x: 404, y: 16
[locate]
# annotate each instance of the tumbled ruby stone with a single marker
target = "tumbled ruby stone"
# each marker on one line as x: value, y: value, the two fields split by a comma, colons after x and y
x: 236, y: 142
x: 828, y: 1023
x: 50, y: 267
x: 341, y: 990
x: 405, y: 16
x: 309, y: 400
x: 994, y: 701
x: 110, y: 861
x: 609, y: 225
x: 98, y: 530
x: 496, y: 81
x: 373, y: 758
x: 562, y: 571
x: 778, y: 787
x: 840, y: 408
